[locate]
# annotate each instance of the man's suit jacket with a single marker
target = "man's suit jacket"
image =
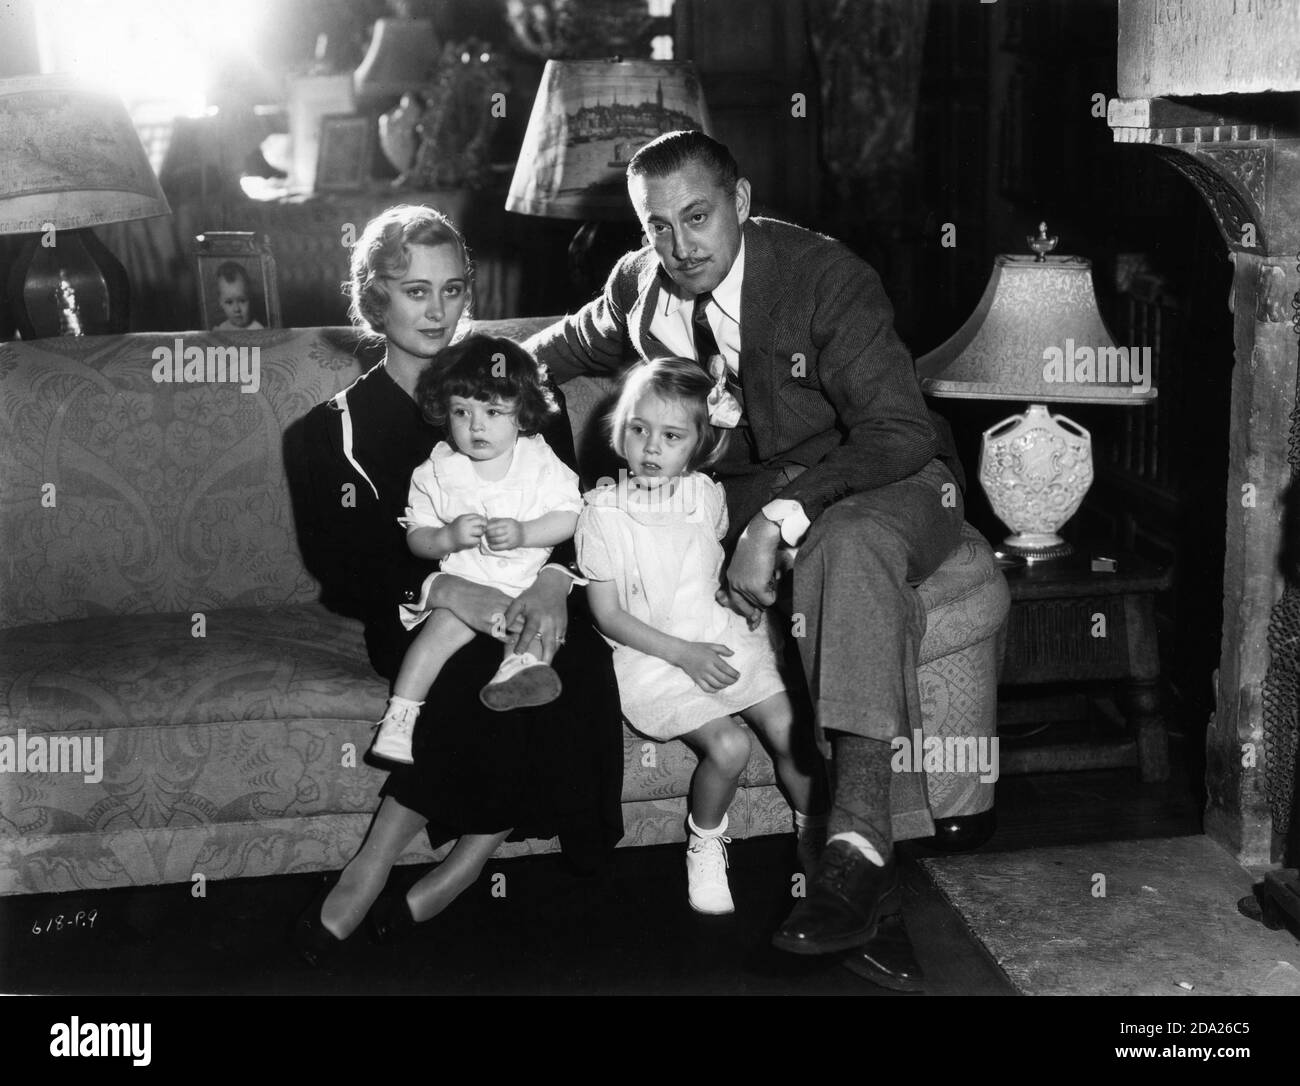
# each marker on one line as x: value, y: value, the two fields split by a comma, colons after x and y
x: 827, y: 383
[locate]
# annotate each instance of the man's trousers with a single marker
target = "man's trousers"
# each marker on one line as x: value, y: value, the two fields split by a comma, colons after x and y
x: 857, y: 616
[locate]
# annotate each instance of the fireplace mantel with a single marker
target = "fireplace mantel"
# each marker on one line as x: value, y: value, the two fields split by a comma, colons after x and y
x: 1211, y: 87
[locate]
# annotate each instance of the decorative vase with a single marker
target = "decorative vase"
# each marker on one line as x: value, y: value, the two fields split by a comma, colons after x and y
x: 1036, y: 469
x: 397, y: 132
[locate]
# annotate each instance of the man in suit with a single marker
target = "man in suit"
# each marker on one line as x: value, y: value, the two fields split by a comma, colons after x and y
x: 835, y: 452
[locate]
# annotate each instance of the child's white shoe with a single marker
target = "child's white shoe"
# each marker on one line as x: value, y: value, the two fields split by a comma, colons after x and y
x: 521, y: 680
x: 706, y: 871
x: 393, y: 741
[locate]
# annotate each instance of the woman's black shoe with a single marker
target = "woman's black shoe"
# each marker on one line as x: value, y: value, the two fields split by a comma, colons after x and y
x: 315, y: 943
x: 390, y: 918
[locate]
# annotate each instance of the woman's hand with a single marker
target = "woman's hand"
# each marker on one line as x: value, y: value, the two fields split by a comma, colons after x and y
x: 750, y: 586
x: 479, y: 606
x: 703, y: 662
x: 540, y: 614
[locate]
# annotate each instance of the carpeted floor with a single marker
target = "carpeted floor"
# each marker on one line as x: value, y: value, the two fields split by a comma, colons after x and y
x: 527, y: 927
x: 1151, y: 917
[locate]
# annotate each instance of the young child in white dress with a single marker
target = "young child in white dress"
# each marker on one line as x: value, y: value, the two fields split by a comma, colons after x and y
x: 490, y: 507
x: 686, y: 665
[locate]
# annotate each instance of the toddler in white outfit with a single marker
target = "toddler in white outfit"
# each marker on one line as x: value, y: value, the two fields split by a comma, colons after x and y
x: 686, y: 665
x: 490, y: 507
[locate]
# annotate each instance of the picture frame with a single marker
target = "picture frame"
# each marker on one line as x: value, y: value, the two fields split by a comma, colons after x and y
x: 345, y: 153
x: 221, y: 258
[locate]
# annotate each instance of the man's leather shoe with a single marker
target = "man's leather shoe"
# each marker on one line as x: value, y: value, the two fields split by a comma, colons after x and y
x: 847, y: 896
x: 888, y: 960
x: 963, y: 832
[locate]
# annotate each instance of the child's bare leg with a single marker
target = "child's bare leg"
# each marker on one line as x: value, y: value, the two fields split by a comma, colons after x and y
x: 440, y: 638
x: 723, y: 748
x: 442, y: 635
x: 799, y: 768
x: 800, y: 771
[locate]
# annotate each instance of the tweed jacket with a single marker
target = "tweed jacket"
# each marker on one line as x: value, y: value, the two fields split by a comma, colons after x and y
x: 828, y: 384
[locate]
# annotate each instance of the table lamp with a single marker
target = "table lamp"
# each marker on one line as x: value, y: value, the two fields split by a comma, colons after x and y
x: 588, y: 120
x: 72, y: 160
x: 400, y: 58
x: 1037, y: 336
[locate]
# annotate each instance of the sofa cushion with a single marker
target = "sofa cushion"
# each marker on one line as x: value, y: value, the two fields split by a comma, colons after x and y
x: 122, y: 493
x: 966, y: 599
x: 250, y: 721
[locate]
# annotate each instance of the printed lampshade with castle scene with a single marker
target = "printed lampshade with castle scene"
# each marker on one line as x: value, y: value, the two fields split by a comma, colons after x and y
x: 590, y: 117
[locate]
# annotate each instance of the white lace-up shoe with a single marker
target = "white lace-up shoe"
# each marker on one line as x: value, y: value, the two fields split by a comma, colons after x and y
x: 706, y: 875
x: 521, y: 681
x: 394, y: 739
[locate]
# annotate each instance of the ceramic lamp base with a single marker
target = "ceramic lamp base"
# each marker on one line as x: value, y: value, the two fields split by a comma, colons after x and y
x: 1036, y: 547
x: 1036, y: 468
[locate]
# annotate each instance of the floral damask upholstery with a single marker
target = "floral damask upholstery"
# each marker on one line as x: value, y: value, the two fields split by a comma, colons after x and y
x: 152, y: 596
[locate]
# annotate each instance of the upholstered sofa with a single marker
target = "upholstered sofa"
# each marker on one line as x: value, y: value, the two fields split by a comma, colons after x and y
x: 154, y: 606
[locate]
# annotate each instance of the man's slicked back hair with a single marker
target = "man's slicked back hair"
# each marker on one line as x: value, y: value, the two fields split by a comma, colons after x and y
x: 665, y: 155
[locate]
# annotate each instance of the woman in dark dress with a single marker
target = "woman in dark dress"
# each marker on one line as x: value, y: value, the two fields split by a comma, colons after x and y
x: 479, y: 776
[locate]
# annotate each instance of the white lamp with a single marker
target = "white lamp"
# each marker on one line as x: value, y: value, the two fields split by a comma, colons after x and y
x: 1036, y: 335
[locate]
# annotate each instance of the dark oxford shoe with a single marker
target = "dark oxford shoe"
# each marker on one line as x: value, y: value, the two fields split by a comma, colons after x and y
x: 888, y: 960
x: 847, y: 896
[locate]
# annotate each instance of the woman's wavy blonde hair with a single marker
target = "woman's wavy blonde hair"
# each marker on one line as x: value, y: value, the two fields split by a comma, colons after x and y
x: 384, y: 252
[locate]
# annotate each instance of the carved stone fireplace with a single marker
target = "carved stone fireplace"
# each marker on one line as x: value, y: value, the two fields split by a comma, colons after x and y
x: 1211, y: 87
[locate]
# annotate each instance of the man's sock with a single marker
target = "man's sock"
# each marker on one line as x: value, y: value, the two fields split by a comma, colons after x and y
x: 860, y: 808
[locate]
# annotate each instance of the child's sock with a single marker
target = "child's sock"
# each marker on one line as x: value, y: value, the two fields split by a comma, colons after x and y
x: 395, y: 730
x: 717, y: 831
x: 860, y: 810
x: 810, y: 838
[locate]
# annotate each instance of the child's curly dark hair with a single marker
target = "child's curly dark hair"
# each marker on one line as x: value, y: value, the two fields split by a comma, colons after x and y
x: 487, y: 368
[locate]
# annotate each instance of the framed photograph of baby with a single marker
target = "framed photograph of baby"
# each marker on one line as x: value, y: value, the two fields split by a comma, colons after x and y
x: 235, y: 273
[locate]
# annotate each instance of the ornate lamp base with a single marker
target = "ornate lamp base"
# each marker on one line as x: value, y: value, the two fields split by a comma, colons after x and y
x: 1035, y: 546
x: 1036, y: 469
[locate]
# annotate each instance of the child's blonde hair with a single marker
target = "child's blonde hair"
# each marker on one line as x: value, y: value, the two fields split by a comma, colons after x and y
x: 671, y: 379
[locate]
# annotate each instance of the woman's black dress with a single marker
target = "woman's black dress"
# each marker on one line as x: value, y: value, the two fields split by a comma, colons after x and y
x: 552, y: 769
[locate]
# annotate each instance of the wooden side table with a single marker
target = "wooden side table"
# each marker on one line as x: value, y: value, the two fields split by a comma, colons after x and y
x: 1072, y: 624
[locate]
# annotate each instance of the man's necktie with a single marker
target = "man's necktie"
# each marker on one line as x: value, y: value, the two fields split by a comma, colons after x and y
x: 725, y: 404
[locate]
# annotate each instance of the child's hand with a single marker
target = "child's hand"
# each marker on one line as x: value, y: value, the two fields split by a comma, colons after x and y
x: 703, y: 661
x: 466, y: 530
x: 504, y: 533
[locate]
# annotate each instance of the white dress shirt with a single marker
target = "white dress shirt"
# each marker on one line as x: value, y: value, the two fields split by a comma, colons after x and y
x: 672, y: 324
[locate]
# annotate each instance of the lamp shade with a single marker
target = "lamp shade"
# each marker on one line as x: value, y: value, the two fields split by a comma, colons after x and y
x: 401, y: 54
x: 1036, y: 335
x: 71, y: 158
x: 590, y: 117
